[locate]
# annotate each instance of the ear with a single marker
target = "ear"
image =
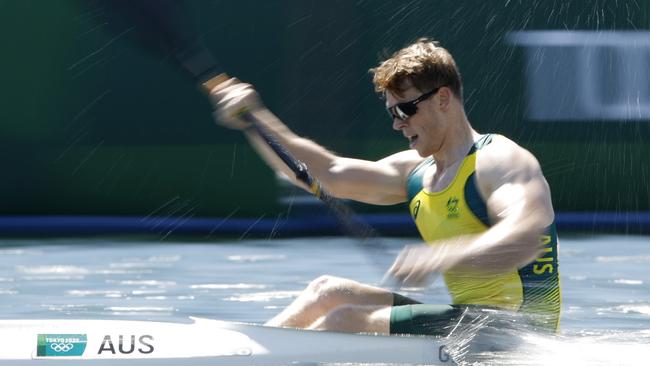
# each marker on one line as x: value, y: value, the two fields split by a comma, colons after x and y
x: 444, y: 98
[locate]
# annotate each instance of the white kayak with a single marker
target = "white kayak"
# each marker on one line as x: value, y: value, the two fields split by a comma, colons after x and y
x: 201, y: 342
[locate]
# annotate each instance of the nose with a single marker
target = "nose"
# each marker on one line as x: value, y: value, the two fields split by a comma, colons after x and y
x: 398, y: 124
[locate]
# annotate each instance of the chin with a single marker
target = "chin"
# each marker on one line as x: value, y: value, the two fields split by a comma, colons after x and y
x: 423, y: 153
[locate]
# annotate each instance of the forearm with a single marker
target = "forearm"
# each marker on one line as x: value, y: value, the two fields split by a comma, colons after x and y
x: 317, y: 158
x: 511, y: 243
x: 238, y: 106
x: 503, y: 247
x: 498, y: 250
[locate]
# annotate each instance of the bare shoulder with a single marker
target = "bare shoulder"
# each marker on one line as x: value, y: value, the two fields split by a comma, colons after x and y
x: 404, y: 161
x: 503, y: 161
x: 381, y: 182
x: 509, y: 176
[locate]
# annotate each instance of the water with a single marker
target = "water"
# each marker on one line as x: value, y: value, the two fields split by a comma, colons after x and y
x: 605, y: 279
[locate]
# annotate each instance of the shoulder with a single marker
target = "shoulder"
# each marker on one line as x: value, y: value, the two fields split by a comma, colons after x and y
x: 404, y: 161
x: 504, y: 161
x: 509, y: 176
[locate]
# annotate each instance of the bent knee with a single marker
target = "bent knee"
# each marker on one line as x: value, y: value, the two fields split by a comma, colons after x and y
x: 324, y: 282
x: 330, y: 291
x: 329, y: 285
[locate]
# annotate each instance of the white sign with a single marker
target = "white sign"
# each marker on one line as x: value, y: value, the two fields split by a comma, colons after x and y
x: 586, y: 75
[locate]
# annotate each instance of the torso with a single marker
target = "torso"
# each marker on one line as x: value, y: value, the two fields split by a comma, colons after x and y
x: 452, y: 204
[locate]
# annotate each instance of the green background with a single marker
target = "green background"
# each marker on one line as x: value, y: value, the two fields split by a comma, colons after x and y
x: 92, y: 125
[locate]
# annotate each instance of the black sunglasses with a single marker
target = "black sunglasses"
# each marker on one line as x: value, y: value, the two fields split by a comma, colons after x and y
x: 405, y: 110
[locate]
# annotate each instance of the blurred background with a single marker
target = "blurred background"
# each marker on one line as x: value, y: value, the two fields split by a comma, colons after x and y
x: 92, y: 128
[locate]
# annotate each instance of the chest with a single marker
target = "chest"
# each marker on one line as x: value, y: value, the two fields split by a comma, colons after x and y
x: 436, y: 179
x: 448, y: 203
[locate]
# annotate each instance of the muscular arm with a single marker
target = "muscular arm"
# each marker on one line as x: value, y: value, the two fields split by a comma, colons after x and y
x: 380, y: 182
x: 519, y: 203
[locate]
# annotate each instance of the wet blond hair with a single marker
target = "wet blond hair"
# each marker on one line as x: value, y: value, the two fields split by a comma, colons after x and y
x: 424, y: 65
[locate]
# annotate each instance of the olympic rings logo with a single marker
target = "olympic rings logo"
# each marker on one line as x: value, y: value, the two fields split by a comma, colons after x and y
x: 62, y: 347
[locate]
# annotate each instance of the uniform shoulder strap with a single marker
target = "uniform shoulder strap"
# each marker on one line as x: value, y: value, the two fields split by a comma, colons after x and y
x: 482, y: 141
x: 414, y: 180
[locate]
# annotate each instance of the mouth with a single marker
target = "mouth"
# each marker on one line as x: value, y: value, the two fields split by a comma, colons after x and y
x: 412, y: 139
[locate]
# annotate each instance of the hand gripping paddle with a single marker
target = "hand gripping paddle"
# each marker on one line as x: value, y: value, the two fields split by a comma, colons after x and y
x: 168, y: 23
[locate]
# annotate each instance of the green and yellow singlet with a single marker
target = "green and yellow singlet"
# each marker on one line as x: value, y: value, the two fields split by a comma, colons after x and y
x: 460, y: 210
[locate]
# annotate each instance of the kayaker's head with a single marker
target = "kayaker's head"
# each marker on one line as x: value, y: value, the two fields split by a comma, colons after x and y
x: 423, y: 91
x: 424, y: 65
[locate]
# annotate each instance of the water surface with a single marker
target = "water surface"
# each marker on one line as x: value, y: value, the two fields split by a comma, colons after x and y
x: 605, y: 279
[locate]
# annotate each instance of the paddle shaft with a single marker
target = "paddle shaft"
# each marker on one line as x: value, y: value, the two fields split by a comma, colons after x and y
x: 344, y: 214
x: 171, y: 24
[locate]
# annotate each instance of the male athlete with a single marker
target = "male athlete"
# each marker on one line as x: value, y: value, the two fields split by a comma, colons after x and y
x: 480, y: 202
